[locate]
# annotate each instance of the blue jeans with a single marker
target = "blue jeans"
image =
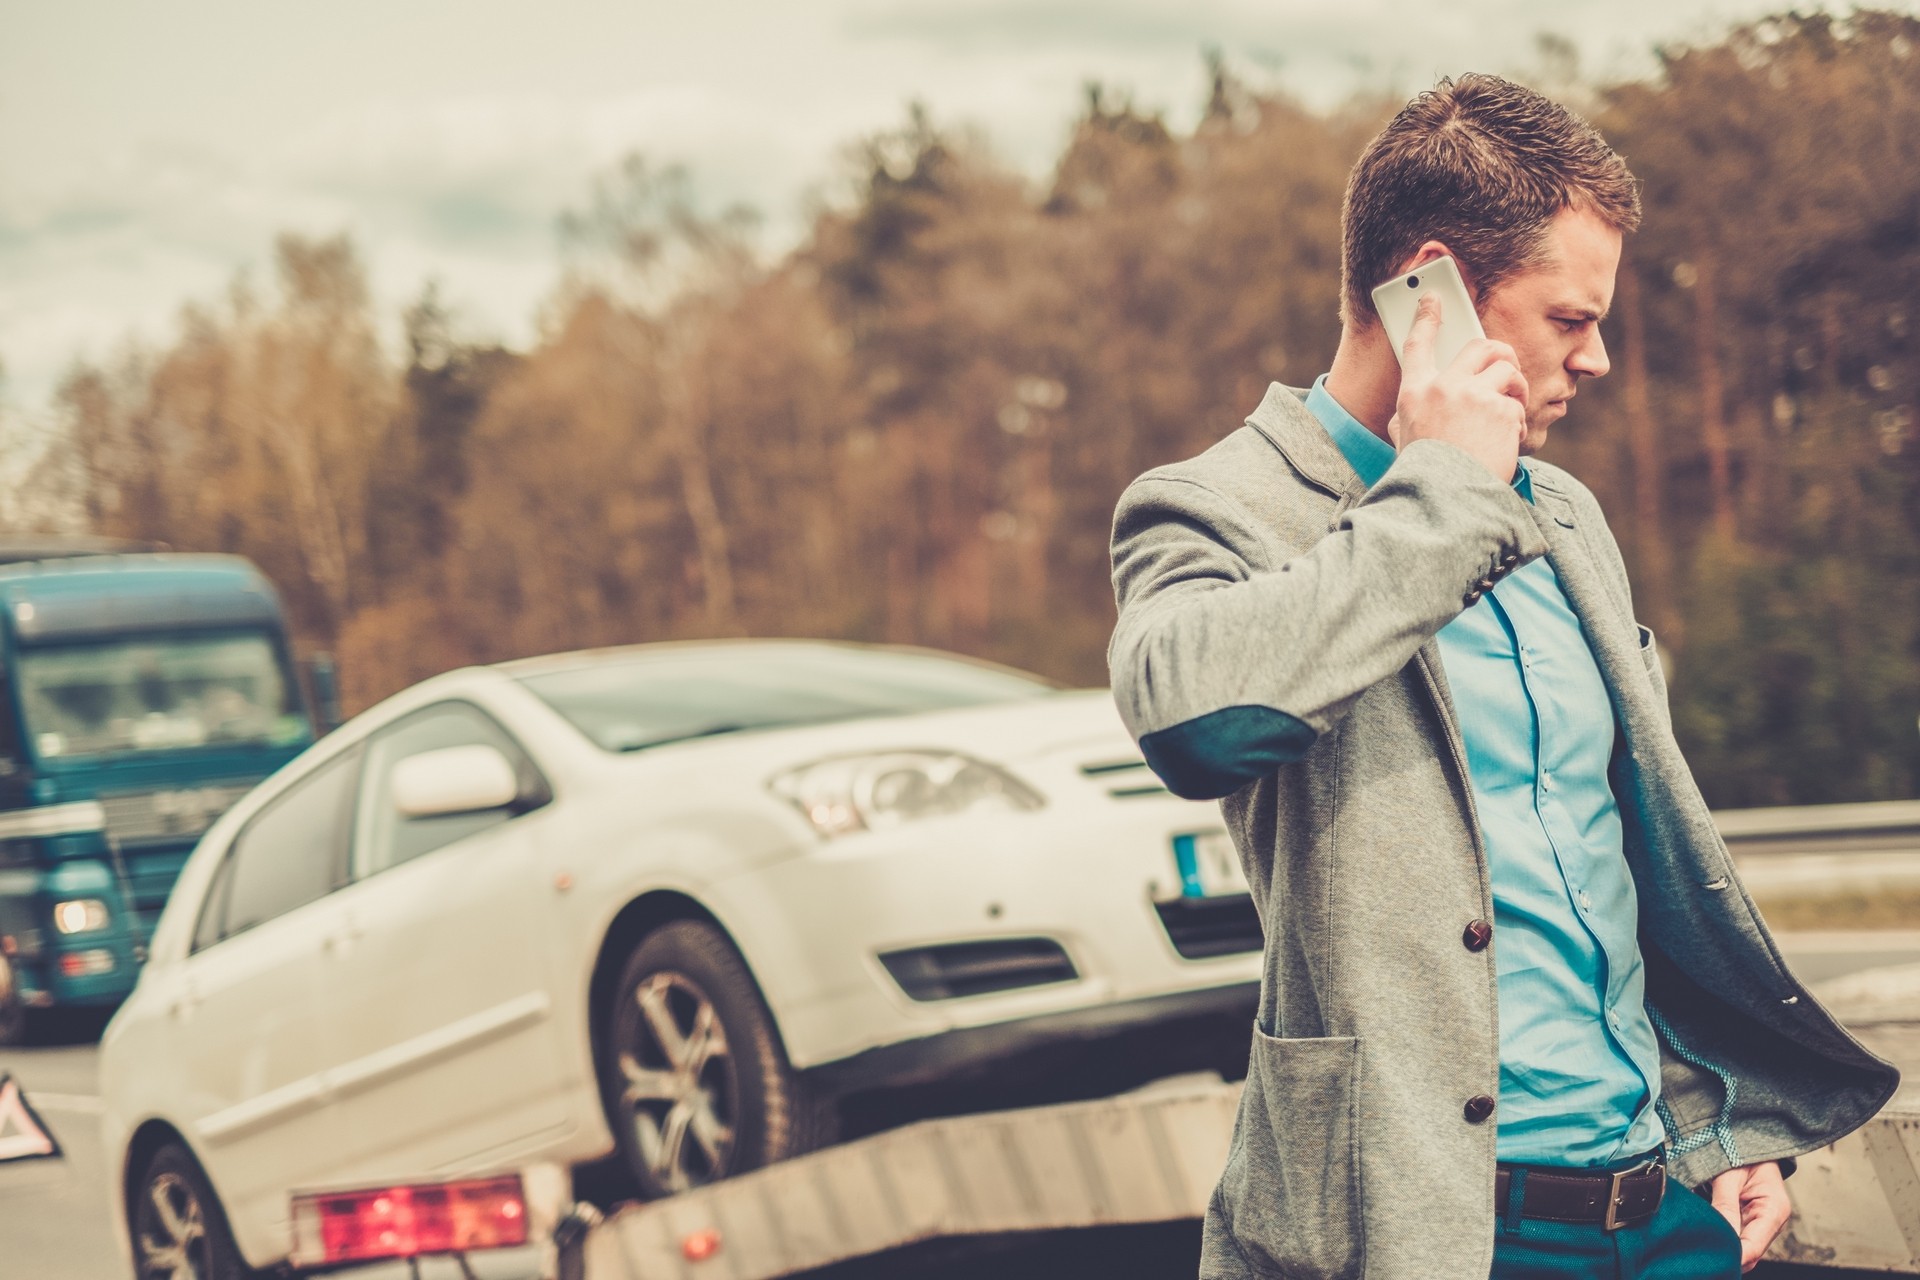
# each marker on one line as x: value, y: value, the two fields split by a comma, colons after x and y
x: 1685, y: 1239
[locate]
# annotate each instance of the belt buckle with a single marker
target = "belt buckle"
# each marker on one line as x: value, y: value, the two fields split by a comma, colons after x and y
x: 1612, y: 1221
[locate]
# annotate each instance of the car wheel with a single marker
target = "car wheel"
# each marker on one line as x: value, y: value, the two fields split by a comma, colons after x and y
x: 179, y: 1229
x: 697, y: 1083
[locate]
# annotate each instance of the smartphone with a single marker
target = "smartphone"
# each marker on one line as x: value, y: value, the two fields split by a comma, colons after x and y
x: 1397, y: 298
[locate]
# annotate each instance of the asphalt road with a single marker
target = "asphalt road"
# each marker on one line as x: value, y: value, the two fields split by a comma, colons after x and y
x: 54, y: 1214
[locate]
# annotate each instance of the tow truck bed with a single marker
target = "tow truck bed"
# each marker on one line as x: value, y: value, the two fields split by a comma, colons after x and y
x: 1148, y: 1156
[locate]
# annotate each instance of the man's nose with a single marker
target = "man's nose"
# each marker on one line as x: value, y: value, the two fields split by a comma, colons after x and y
x: 1590, y: 357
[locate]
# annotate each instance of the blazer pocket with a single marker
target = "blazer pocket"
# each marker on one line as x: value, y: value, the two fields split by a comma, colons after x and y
x: 1291, y: 1188
x: 1650, y: 652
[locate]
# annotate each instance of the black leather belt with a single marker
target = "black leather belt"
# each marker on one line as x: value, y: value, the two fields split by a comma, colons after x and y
x: 1612, y: 1200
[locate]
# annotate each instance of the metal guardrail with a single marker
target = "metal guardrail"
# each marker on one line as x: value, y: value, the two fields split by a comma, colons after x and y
x: 1821, y: 850
x: 1820, y: 822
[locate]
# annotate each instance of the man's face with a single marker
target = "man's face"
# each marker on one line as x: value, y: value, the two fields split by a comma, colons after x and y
x: 1550, y: 315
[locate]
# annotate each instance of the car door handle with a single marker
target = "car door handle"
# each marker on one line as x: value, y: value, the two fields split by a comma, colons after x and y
x: 343, y: 938
x: 185, y: 1003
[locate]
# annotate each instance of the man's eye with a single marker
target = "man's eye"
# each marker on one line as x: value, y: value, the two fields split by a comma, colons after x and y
x: 1570, y: 325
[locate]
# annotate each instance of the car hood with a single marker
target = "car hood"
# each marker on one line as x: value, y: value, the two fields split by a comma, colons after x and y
x: 1082, y: 725
x: 713, y: 793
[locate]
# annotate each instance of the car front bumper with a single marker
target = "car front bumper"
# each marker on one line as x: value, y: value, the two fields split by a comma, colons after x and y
x: 1208, y: 1029
x: 1093, y: 879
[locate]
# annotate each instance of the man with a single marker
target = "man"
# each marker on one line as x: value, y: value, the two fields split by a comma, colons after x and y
x: 1516, y: 1005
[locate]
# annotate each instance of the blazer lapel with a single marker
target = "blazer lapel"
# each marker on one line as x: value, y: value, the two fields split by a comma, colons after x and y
x: 1284, y: 419
x: 1606, y: 616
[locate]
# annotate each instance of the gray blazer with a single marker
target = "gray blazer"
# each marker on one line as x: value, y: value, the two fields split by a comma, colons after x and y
x: 1276, y: 649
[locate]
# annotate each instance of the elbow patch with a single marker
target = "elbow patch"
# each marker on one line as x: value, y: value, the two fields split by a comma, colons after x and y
x: 1216, y: 754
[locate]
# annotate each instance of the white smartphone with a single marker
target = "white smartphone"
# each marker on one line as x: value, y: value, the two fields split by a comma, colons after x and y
x: 1397, y: 299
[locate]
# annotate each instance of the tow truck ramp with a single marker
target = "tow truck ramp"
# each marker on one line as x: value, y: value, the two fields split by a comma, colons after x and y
x: 1148, y: 1156
x: 1856, y: 1204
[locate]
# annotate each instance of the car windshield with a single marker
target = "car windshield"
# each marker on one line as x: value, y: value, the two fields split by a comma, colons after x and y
x: 157, y: 694
x: 628, y: 703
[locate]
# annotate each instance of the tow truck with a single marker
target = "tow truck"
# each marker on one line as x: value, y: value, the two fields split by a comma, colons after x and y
x: 1149, y: 1156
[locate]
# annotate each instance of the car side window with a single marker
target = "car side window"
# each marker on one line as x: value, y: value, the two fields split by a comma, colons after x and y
x: 386, y: 838
x: 213, y: 907
x: 288, y: 855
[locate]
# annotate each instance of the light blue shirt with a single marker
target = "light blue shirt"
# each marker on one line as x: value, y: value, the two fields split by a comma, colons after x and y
x: 1579, y: 1063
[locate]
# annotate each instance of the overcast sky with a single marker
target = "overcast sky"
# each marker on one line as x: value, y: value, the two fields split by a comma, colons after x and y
x: 150, y: 148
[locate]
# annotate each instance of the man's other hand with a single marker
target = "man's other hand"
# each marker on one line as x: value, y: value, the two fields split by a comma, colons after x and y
x: 1478, y: 403
x: 1754, y: 1200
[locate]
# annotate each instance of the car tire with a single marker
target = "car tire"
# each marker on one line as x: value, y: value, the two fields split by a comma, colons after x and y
x: 695, y: 1078
x: 179, y: 1230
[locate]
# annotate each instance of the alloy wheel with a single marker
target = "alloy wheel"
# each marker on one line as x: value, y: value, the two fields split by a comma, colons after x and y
x: 172, y: 1232
x: 678, y: 1084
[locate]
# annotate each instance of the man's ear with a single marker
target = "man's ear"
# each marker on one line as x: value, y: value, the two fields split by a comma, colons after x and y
x: 1432, y: 249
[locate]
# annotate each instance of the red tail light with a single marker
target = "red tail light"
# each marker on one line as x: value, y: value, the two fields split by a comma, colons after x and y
x: 405, y: 1222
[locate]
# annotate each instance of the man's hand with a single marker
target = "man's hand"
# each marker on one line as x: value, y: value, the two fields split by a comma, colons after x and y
x: 1478, y: 403
x: 1754, y: 1200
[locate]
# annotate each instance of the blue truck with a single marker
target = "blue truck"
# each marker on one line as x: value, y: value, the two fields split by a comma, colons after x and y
x: 141, y: 694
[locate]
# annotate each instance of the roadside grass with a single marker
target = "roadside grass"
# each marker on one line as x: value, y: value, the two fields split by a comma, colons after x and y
x: 1890, y: 908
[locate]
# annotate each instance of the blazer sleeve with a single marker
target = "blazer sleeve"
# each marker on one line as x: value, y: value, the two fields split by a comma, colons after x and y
x: 1233, y: 654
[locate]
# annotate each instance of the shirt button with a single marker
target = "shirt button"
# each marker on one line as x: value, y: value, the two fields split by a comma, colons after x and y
x: 1585, y: 901
x: 1477, y: 935
x: 1478, y: 1108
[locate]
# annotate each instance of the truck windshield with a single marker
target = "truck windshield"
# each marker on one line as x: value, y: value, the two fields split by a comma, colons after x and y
x: 157, y: 694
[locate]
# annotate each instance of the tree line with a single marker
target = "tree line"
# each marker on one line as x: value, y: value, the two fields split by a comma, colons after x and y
x: 913, y: 426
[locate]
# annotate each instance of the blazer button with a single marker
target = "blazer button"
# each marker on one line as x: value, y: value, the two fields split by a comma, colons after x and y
x: 1478, y: 934
x: 1510, y: 559
x: 1478, y: 1108
x: 1471, y: 598
x: 1485, y: 584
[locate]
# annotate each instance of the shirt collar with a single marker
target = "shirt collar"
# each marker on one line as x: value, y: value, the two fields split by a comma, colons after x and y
x: 1367, y: 453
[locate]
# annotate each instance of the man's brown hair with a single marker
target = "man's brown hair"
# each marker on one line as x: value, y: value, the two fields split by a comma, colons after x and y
x: 1482, y: 165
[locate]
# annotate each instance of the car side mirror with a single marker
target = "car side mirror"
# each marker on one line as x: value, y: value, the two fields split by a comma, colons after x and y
x: 470, y: 779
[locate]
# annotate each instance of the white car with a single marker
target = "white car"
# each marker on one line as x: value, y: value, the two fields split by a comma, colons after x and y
x: 696, y: 904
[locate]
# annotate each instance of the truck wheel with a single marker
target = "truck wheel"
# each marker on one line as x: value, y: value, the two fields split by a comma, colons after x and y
x: 13, y: 1011
x: 696, y: 1082
x: 179, y: 1230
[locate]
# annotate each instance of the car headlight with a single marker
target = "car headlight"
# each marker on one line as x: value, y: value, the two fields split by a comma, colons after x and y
x: 886, y: 789
x: 80, y: 915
